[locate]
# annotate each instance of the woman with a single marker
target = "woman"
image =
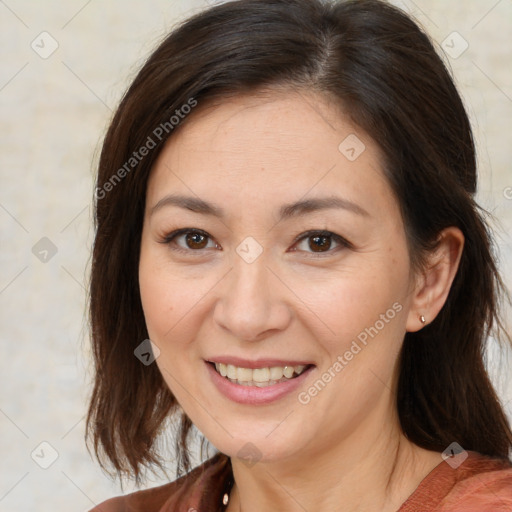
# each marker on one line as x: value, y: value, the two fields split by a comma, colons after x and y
x: 285, y: 208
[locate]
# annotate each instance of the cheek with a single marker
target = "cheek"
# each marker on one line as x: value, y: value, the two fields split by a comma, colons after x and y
x: 349, y: 302
x: 158, y: 300
x: 165, y: 297
x: 172, y: 299
x: 168, y: 303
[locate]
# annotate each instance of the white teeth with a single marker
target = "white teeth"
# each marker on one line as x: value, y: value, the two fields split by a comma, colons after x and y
x: 288, y: 371
x: 243, y: 374
x: 260, y: 377
x: 276, y: 372
x: 231, y: 371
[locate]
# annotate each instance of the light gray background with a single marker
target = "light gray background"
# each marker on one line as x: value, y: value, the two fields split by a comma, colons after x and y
x: 54, y: 112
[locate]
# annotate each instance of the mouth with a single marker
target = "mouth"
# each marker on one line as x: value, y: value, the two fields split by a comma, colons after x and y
x: 259, y: 377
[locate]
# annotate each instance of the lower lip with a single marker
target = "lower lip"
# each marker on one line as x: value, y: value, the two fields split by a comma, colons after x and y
x: 253, y: 394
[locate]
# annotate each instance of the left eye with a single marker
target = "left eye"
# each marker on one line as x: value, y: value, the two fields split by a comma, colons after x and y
x: 320, y: 241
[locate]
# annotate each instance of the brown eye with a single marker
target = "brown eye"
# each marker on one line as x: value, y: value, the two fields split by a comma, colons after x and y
x: 321, y: 242
x: 189, y: 240
x: 196, y: 241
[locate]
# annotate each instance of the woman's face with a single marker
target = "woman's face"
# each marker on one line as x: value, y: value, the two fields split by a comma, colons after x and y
x: 291, y: 257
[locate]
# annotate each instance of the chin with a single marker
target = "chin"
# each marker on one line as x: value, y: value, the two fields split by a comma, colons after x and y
x: 253, y: 446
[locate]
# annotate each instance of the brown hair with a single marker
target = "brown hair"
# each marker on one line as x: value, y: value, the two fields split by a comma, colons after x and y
x: 383, y: 69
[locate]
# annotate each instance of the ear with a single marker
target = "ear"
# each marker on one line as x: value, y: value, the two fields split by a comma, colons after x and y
x: 434, y: 282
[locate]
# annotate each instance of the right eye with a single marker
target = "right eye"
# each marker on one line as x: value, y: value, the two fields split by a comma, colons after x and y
x: 192, y: 240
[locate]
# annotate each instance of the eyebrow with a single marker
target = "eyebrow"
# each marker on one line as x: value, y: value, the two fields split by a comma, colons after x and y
x: 286, y: 211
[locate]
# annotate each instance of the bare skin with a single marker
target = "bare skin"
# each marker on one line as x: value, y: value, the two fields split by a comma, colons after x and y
x: 300, y: 298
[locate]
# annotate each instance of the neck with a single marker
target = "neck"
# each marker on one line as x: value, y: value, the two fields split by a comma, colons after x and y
x: 372, y: 469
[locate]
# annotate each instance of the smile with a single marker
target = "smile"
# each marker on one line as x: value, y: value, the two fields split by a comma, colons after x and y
x: 260, y: 377
x: 266, y: 382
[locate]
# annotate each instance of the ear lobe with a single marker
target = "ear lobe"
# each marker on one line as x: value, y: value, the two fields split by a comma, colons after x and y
x: 434, y: 284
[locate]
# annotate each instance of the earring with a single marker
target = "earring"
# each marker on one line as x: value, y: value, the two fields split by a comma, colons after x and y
x: 422, y: 319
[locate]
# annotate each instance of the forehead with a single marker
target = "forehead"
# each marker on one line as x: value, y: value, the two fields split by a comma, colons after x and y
x: 291, y: 121
x: 271, y: 144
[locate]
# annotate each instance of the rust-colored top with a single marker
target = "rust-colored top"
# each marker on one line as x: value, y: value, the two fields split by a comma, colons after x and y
x: 479, y: 484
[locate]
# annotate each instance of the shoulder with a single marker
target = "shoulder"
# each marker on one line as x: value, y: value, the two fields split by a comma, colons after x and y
x: 477, y: 484
x: 186, y: 491
x: 484, y: 485
x: 149, y: 499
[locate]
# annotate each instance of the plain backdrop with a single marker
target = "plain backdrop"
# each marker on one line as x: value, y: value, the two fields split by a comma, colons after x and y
x: 64, y: 67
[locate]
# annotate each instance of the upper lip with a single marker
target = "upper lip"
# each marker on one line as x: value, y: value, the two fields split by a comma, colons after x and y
x: 257, y: 363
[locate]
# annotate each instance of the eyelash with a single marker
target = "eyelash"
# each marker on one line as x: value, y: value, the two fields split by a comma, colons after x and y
x: 342, y: 243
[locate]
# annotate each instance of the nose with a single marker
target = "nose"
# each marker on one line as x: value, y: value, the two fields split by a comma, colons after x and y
x: 252, y: 302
